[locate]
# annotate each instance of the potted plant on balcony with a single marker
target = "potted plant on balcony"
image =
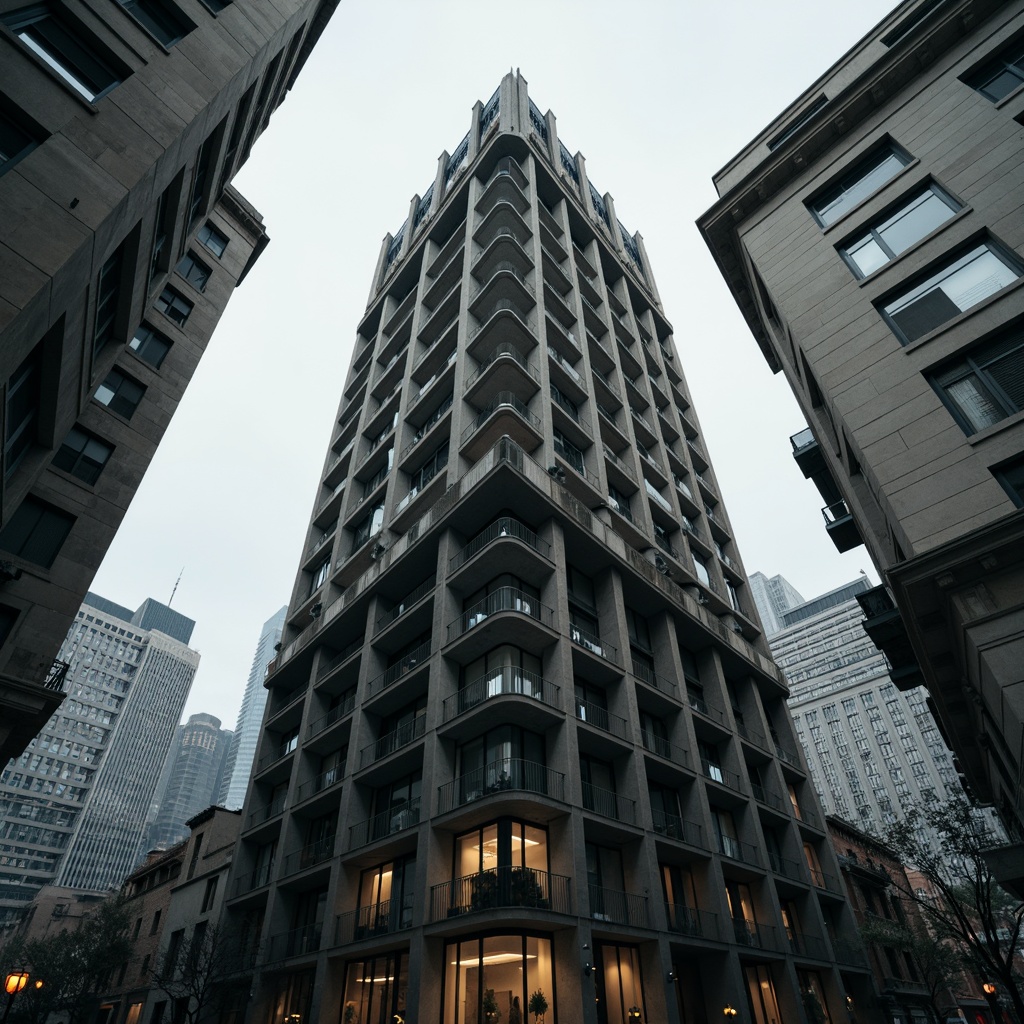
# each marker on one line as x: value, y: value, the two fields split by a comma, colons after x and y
x: 485, y: 890
x: 538, y: 1006
x: 526, y: 891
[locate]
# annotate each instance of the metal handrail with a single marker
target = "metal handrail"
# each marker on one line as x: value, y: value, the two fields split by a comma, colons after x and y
x: 502, y: 887
x: 504, y: 527
x: 609, y: 804
x: 593, y: 643
x: 629, y: 908
x: 395, y: 672
x: 386, y: 823
x: 392, y: 741
x: 509, y: 774
x: 504, y: 599
x: 510, y: 680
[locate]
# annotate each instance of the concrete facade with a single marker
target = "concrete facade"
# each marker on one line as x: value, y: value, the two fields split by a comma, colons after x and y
x: 122, y: 243
x: 873, y: 237
x: 523, y: 735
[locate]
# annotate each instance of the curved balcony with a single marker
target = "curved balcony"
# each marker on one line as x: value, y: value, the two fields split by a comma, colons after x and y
x: 510, y: 775
x: 505, y: 324
x: 502, y: 188
x: 504, y: 888
x: 511, y: 547
x: 508, y: 615
x: 505, y: 368
x: 504, y: 414
x: 502, y: 220
x: 499, y: 696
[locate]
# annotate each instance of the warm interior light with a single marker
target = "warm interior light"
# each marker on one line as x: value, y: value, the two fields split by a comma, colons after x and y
x: 489, y: 959
x: 375, y: 981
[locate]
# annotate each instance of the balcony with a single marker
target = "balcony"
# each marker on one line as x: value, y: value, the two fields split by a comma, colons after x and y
x: 407, y: 664
x: 884, y: 624
x: 600, y: 718
x: 593, y: 643
x: 506, y: 776
x: 395, y: 819
x: 608, y: 804
x: 264, y: 814
x: 785, y: 866
x: 508, y: 681
x: 840, y: 526
x: 736, y: 849
x: 672, y: 826
x: 664, y: 748
x: 406, y: 604
x: 501, y: 888
x: 617, y: 907
x: 505, y: 368
x: 504, y: 414
x: 297, y: 942
x: 758, y: 936
x: 336, y: 714
x: 384, y: 918
x: 392, y: 741
x: 252, y: 880
x: 320, y: 784
x: 647, y: 675
x: 697, y: 924
x: 309, y: 856
x: 762, y: 796
x: 823, y: 880
x: 499, y: 529
x: 504, y: 599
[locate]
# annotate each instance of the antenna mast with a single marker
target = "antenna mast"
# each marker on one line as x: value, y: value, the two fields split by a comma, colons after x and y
x: 175, y: 590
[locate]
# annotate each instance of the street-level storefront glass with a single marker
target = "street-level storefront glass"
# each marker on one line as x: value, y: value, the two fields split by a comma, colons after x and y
x: 376, y: 989
x: 292, y: 998
x: 486, y: 977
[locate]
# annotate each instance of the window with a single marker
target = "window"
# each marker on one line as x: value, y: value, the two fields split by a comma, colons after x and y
x: 212, y: 239
x: 1011, y: 476
x: 163, y: 228
x: 23, y: 394
x: 201, y: 178
x: 899, y: 231
x: 15, y: 142
x: 108, y: 290
x: 36, y: 532
x: 987, y: 384
x: 83, y: 455
x: 174, y: 306
x: 161, y: 19
x: 194, y: 271
x: 701, y: 571
x: 864, y: 179
x: 120, y: 393
x: 65, y: 47
x: 996, y: 79
x: 321, y: 574
x: 952, y: 290
x: 149, y: 346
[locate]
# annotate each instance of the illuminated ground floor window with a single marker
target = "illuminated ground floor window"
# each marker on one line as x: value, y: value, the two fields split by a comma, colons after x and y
x: 499, y: 979
x: 376, y: 990
x: 761, y: 991
x: 620, y: 985
x: 292, y: 998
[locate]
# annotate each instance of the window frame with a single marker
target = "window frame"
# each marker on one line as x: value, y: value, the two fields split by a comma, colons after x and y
x: 995, y: 66
x: 65, y: 63
x: 194, y: 264
x: 208, y: 231
x: 972, y: 362
x: 161, y: 20
x: 16, y: 123
x: 112, y: 403
x: 846, y: 180
x: 153, y: 338
x: 164, y: 305
x: 79, y: 459
x: 19, y: 437
x: 25, y: 550
x: 901, y: 208
x: 938, y: 272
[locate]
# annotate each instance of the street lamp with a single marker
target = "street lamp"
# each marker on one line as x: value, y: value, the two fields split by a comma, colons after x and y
x: 729, y: 1012
x: 990, y: 997
x: 13, y: 984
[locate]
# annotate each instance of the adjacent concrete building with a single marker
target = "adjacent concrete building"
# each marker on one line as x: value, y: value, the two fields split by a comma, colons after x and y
x: 250, y: 715
x: 524, y: 752
x: 873, y: 236
x: 120, y: 130
x: 74, y: 806
x: 193, y: 776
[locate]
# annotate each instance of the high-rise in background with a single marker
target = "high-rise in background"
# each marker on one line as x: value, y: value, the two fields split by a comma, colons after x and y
x: 238, y: 767
x: 75, y: 805
x: 873, y: 237
x: 192, y: 778
x: 524, y: 750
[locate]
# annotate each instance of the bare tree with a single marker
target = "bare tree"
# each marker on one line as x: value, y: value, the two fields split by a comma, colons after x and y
x: 963, y: 903
x: 192, y: 974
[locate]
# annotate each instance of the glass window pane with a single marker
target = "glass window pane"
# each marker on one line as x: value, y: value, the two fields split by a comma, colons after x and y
x: 971, y: 398
x: 922, y: 216
x: 868, y: 255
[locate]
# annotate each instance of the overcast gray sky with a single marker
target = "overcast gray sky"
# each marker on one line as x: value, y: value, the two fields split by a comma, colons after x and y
x: 657, y: 95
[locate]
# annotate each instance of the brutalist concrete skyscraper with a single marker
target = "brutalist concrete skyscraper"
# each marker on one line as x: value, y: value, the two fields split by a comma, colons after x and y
x: 525, y: 753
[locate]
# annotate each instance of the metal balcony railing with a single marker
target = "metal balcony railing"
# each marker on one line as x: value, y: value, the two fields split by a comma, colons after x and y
x: 629, y: 908
x: 700, y: 924
x: 508, y: 680
x: 334, y: 715
x: 609, y: 804
x: 736, y: 849
x: 510, y: 774
x: 325, y: 780
x: 502, y: 400
x: 382, y: 918
x: 297, y: 942
x: 600, y: 718
x: 646, y: 674
x: 593, y: 643
x: 664, y: 748
x: 407, y: 602
x: 504, y: 599
x: 762, y: 936
x: 392, y: 741
x: 309, y: 856
x: 386, y: 823
x: 504, y: 527
x: 408, y: 662
x: 504, y: 887
x: 672, y: 826
x: 262, y: 814
x: 784, y: 866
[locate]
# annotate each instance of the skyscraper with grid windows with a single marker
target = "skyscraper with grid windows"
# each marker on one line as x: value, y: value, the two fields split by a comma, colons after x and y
x: 525, y: 754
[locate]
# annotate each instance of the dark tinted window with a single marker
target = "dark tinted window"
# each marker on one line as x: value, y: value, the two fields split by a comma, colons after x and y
x: 36, y: 532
